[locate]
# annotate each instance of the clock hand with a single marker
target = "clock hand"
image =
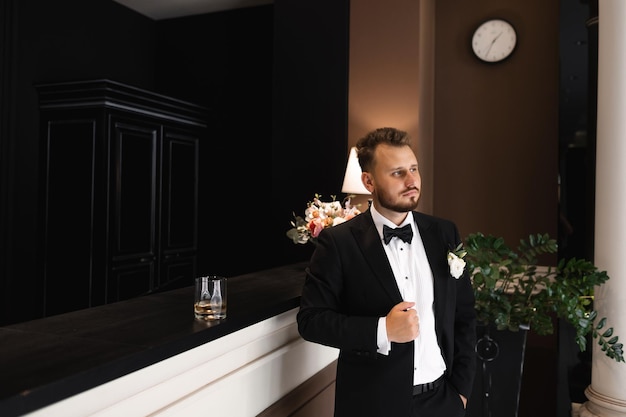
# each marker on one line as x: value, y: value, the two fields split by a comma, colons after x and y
x: 492, y: 42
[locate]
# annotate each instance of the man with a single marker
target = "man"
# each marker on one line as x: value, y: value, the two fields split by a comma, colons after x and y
x: 405, y: 326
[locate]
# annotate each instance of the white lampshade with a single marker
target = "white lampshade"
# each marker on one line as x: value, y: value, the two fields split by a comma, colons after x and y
x: 352, y: 183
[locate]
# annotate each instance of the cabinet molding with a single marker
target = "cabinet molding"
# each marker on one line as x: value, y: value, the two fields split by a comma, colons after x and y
x: 114, y: 95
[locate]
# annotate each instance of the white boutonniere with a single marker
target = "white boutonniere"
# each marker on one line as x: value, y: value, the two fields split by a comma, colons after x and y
x: 456, y: 262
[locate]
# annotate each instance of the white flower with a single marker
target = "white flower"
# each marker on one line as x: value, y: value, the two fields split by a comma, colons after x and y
x: 457, y: 265
x: 338, y: 220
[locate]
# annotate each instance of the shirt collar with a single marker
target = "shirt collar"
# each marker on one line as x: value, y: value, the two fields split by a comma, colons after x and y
x: 380, y: 221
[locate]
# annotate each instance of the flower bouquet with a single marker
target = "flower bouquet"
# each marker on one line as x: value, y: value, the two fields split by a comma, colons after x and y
x: 318, y: 216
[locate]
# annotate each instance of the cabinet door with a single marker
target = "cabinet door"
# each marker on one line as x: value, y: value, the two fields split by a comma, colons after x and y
x: 177, y: 270
x: 69, y: 211
x: 133, y: 207
x: 179, y: 208
x: 129, y: 280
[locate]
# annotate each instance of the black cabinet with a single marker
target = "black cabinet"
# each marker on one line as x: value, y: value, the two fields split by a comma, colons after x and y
x: 119, y: 192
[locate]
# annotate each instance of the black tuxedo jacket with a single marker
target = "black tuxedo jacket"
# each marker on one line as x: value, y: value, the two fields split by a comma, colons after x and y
x: 350, y: 284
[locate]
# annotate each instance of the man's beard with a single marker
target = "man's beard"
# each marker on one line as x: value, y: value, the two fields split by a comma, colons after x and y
x: 401, y: 207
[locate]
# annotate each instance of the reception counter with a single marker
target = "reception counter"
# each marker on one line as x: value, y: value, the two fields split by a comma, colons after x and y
x: 150, y: 356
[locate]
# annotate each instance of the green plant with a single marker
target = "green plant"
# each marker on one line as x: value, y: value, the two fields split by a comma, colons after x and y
x: 511, y: 290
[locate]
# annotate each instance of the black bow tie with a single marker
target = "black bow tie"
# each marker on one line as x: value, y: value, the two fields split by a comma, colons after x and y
x: 405, y: 233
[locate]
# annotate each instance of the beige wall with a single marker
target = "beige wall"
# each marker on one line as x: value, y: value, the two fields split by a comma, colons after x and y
x: 384, y: 81
x: 487, y: 134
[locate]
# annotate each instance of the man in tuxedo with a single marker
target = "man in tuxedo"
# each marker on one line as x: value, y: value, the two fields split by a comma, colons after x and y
x: 404, y: 325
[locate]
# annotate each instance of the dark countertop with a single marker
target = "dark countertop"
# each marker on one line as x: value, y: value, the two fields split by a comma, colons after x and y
x: 47, y: 360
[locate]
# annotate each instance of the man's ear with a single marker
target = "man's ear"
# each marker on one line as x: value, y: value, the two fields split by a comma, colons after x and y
x: 366, y: 178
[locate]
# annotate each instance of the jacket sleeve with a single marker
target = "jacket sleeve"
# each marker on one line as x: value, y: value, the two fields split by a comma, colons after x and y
x: 333, y: 306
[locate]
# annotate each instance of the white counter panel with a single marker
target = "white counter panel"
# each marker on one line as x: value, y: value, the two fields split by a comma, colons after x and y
x: 240, y: 374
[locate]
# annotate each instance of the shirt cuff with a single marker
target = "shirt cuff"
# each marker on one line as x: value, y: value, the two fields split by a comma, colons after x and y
x: 382, y: 341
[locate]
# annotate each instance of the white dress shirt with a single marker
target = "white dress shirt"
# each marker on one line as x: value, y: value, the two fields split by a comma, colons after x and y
x: 415, y: 281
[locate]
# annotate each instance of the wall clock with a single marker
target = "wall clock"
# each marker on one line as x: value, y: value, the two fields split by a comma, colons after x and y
x: 494, y: 40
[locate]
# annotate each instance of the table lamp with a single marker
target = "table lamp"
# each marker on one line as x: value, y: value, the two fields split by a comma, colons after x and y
x: 352, y: 184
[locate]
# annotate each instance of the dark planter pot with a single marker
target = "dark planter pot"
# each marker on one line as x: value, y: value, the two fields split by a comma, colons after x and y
x: 500, y: 364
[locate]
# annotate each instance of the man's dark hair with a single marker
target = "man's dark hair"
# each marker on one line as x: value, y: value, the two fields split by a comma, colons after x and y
x: 366, y: 146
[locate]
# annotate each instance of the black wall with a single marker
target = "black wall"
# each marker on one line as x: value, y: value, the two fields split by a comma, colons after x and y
x: 224, y: 61
x: 310, y: 119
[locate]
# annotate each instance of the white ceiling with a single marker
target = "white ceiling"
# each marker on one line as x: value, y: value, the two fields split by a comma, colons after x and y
x: 167, y: 9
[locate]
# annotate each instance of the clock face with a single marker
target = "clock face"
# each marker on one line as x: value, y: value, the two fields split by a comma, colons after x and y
x: 494, y: 40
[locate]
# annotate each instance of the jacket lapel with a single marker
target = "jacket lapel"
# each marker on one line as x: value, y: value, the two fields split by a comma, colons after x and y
x: 436, y: 253
x: 368, y: 239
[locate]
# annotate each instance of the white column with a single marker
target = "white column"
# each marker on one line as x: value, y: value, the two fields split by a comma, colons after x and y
x: 607, y: 392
